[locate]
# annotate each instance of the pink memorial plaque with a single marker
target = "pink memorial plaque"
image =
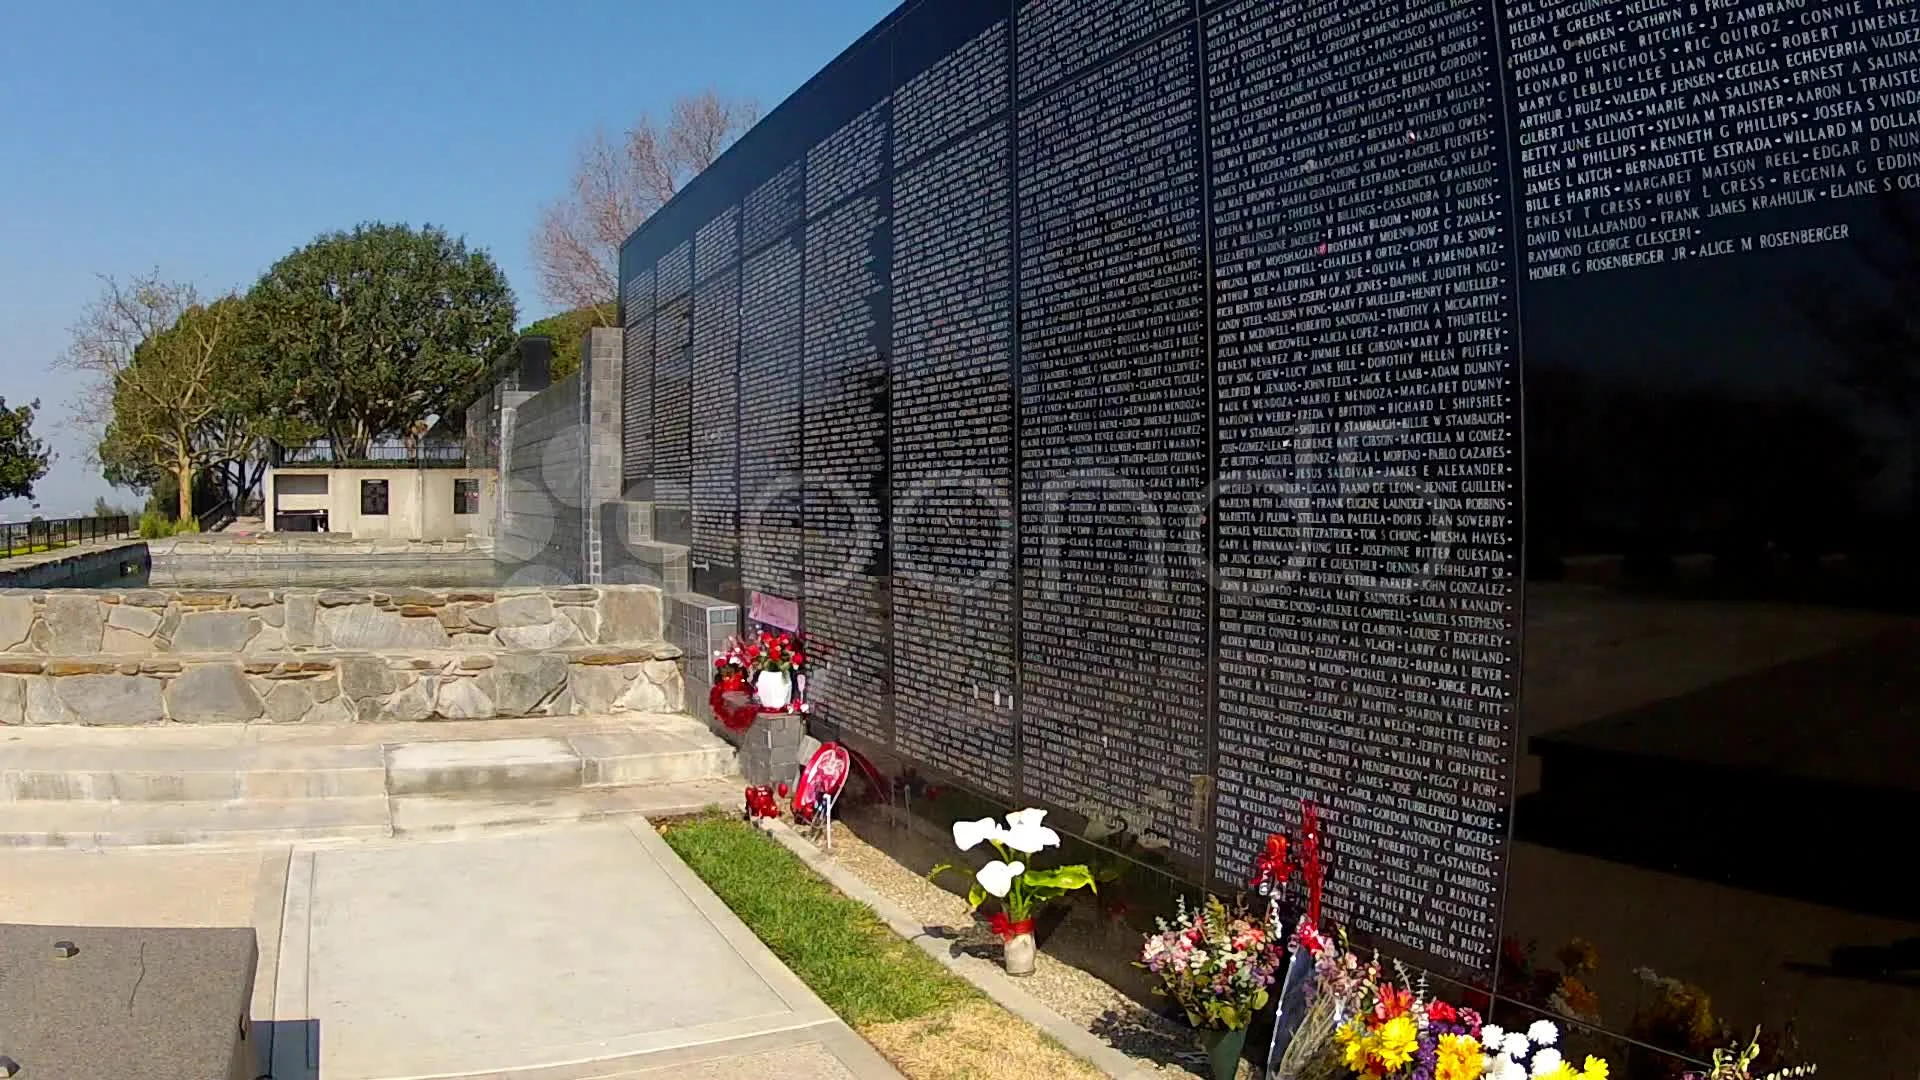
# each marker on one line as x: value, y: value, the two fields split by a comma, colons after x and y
x: 776, y: 611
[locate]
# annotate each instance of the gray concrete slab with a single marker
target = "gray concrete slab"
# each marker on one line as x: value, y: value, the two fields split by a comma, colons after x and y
x: 481, y: 765
x: 581, y: 952
x: 514, y: 952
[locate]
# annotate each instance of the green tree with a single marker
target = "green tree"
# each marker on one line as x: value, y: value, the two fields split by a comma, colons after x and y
x: 178, y: 391
x: 374, y: 330
x: 229, y: 410
x: 566, y: 330
x: 23, y: 457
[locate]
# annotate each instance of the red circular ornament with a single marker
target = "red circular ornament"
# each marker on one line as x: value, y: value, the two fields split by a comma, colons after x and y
x: 825, y: 773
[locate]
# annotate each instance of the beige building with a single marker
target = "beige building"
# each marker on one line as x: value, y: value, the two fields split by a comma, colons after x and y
x: 374, y: 503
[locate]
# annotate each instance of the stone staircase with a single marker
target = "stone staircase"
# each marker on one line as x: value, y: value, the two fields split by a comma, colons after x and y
x: 255, y: 784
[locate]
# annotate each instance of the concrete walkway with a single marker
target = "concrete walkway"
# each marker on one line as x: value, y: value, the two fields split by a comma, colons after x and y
x: 561, y: 953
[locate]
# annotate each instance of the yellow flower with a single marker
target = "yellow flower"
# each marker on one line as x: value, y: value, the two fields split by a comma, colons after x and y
x: 1394, y: 1042
x: 1595, y: 1069
x: 1353, y: 1045
x: 1562, y: 1071
x: 1459, y: 1058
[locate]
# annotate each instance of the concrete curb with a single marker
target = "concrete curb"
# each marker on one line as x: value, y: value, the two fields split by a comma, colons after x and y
x: 812, y: 1019
x: 988, y: 978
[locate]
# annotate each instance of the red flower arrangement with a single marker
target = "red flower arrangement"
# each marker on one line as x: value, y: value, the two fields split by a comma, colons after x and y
x: 733, y: 698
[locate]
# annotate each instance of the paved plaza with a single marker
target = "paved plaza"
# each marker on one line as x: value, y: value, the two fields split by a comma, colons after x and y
x: 559, y: 953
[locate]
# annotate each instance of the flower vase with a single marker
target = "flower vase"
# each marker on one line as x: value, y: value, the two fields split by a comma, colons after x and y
x: 1223, y: 1049
x: 774, y: 689
x: 1020, y: 951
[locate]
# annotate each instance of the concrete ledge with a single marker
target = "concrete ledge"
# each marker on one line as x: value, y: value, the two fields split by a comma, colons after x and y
x: 331, y: 687
x: 241, y: 544
x: 74, y: 567
x: 233, y: 784
x: 80, y: 622
x: 989, y: 978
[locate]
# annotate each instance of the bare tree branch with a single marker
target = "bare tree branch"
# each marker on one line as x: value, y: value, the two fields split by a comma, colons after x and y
x: 102, y: 341
x: 615, y: 188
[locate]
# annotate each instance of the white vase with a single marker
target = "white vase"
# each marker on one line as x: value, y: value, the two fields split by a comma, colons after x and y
x: 774, y: 689
x: 1020, y: 951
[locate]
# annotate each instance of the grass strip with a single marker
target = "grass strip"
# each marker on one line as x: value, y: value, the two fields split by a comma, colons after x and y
x: 836, y: 945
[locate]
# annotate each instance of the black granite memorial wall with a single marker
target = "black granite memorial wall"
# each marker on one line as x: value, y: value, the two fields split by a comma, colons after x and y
x: 1130, y: 395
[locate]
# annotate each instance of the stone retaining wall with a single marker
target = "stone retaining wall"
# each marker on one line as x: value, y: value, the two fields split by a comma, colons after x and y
x: 149, y: 656
x: 244, y: 545
x: 317, y: 559
x: 338, y: 688
x: 80, y: 623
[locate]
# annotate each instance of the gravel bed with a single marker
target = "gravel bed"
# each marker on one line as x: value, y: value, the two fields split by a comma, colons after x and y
x: 1161, y: 1046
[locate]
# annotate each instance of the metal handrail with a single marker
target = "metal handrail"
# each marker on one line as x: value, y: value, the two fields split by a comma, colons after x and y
x: 30, y: 537
x: 381, y: 454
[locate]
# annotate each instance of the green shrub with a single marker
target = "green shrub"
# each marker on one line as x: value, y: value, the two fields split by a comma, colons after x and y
x: 155, y: 525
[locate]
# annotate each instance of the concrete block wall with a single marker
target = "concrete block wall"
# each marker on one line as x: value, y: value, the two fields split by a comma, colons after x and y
x: 560, y: 462
x: 602, y: 368
x: 543, y: 537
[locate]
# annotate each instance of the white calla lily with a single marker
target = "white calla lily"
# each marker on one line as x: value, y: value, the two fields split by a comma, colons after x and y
x: 1029, y: 839
x: 968, y: 834
x: 1029, y: 816
x: 997, y: 877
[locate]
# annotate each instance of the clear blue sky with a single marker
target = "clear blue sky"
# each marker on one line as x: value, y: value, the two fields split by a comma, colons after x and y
x: 209, y: 139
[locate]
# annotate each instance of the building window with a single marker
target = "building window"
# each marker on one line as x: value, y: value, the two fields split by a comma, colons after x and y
x: 373, y: 498
x: 466, y: 496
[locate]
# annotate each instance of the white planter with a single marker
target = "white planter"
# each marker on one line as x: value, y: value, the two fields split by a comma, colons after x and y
x: 774, y: 689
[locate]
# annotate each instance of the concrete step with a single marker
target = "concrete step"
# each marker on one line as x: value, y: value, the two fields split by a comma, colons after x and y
x: 262, y: 784
x: 224, y: 764
x: 69, y: 824
x: 132, y: 773
x: 431, y: 815
x: 614, y: 759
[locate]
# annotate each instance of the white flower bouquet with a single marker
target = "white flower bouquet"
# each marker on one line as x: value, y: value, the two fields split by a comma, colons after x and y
x: 1020, y: 887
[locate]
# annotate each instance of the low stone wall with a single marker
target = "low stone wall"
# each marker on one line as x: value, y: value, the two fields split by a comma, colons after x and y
x: 338, y: 688
x: 316, y: 559
x: 136, y: 622
x: 150, y: 656
x: 246, y: 545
